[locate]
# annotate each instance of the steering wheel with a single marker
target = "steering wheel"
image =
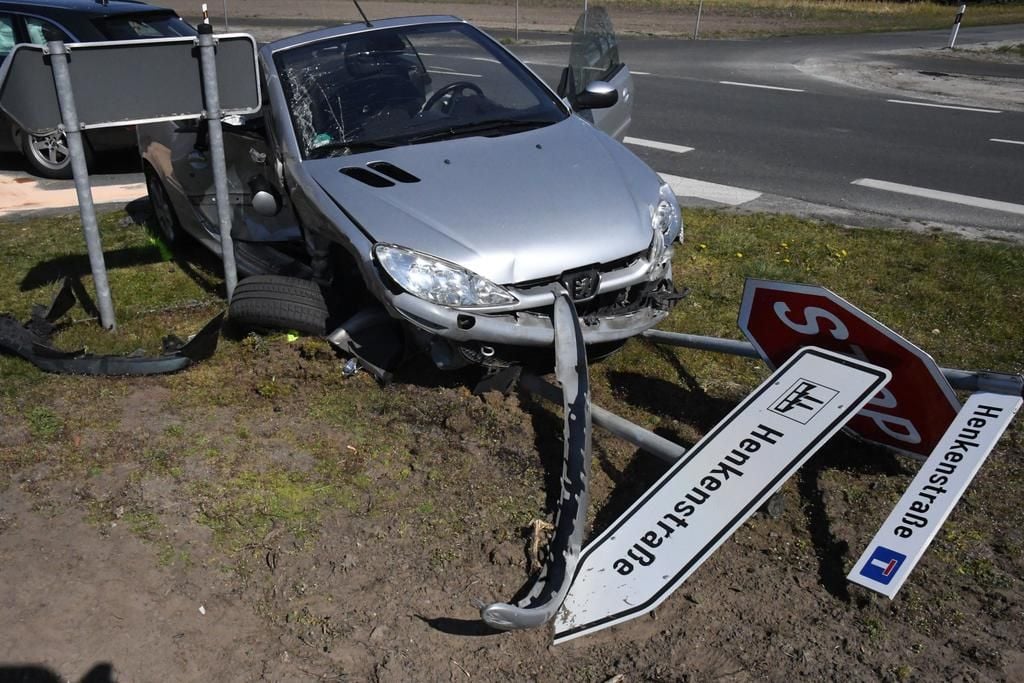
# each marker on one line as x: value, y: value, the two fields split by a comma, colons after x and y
x: 450, y: 89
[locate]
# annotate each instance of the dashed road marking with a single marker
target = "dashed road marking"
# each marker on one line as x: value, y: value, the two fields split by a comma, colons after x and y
x: 939, y: 195
x: 701, y: 189
x: 1008, y: 142
x: 946, y: 106
x: 654, y: 144
x: 763, y: 87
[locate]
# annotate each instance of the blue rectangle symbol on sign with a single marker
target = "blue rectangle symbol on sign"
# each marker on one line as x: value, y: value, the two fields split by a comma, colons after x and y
x: 882, y: 565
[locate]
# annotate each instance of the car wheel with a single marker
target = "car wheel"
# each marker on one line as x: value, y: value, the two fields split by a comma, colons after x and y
x: 48, y: 155
x: 163, y: 213
x: 279, y: 302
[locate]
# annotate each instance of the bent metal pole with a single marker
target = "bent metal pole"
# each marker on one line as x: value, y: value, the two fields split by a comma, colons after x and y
x: 211, y: 96
x: 58, y: 53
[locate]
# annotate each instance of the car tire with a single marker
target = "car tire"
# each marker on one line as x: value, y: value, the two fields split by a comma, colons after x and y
x: 48, y: 155
x: 165, y: 221
x: 279, y: 302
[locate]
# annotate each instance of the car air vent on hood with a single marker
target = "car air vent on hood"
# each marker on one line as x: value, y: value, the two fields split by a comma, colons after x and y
x: 366, y: 176
x: 393, y: 172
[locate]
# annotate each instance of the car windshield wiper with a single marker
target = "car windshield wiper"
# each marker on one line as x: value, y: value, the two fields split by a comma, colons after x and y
x: 482, y: 128
x: 330, y: 149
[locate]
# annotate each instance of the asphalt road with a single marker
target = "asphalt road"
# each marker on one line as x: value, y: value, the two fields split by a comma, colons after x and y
x: 755, y: 119
x: 744, y: 123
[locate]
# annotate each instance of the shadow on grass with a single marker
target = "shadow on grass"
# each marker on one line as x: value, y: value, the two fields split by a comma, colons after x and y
x: 193, y: 260
x: 845, y: 453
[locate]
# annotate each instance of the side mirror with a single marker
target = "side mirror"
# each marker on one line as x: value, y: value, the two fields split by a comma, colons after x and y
x: 265, y: 199
x: 597, y: 95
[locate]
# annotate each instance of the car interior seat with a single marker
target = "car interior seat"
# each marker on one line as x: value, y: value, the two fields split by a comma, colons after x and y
x: 382, y: 77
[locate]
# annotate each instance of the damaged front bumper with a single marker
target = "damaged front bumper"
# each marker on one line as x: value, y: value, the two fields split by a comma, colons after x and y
x: 615, y: 313
x: 626, y: 300
x: 31, y: 341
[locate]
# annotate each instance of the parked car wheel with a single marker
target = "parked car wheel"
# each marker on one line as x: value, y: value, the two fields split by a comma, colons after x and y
x: 48, y: 155
x: 163, y: 213
x: 279, y: 302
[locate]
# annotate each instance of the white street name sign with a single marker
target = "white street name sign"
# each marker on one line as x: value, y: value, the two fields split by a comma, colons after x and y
x: 647, y: 553
x: 938, y: 486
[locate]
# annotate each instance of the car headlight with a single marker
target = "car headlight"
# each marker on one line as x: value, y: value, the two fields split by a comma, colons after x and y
x: 438, y: 281
x: 665, y: 216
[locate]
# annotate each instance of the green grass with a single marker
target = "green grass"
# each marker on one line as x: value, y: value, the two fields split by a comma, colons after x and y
x: 150, y: 293
x: 956, y: 298
x: 406, y: 451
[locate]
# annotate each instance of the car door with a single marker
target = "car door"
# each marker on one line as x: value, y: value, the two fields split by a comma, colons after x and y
x: 594, y: 56
x: 249, y: 169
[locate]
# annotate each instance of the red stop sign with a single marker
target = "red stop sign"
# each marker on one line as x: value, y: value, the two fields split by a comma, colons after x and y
x: 910, y: 414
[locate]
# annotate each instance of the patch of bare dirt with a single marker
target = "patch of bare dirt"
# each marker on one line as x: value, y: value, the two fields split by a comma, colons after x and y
x: 78, y: 597
x: 333, y: 529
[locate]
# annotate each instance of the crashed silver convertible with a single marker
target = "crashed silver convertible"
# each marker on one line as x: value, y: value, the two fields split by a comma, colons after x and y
x: 414, y: 177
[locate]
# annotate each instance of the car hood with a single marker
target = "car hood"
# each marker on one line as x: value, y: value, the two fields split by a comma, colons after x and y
x: 513, y: 208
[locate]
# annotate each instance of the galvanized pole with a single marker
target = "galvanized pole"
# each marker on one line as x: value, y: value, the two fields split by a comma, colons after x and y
x: 208, y: 59
x: 956, y: 26
x: 517, y: 21
x: 69, y: 115
x: 696, y: 26
x: 654, y: 444
x: 964, y: 380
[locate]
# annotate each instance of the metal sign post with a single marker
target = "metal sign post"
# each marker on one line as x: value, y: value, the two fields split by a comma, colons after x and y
x: 69, y: 115
x: 119, y: 83
x: 207, y: 58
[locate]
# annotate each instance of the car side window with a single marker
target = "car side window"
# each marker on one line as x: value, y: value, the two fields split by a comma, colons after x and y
x: 41, y: 31
x: 7, y: 40
x: 594, y: 54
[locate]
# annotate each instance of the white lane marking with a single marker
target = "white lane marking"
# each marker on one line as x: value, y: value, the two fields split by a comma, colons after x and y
x: 1008, y: 142
x: 723, y: 194
x: 946, y: 106
x: 454, y: 73
x: 951, y: 197
x: 654, y: 144
x: 553, y: 66
x: 641, y: 73
x: 763, y: 87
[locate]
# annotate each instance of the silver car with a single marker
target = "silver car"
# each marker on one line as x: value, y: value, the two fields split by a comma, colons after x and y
x: 411, y: 185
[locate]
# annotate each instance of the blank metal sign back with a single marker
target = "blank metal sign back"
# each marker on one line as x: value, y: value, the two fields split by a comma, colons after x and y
x: 129, y: 81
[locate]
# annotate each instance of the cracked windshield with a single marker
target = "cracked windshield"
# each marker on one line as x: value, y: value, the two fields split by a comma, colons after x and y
x: 408, y: 85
